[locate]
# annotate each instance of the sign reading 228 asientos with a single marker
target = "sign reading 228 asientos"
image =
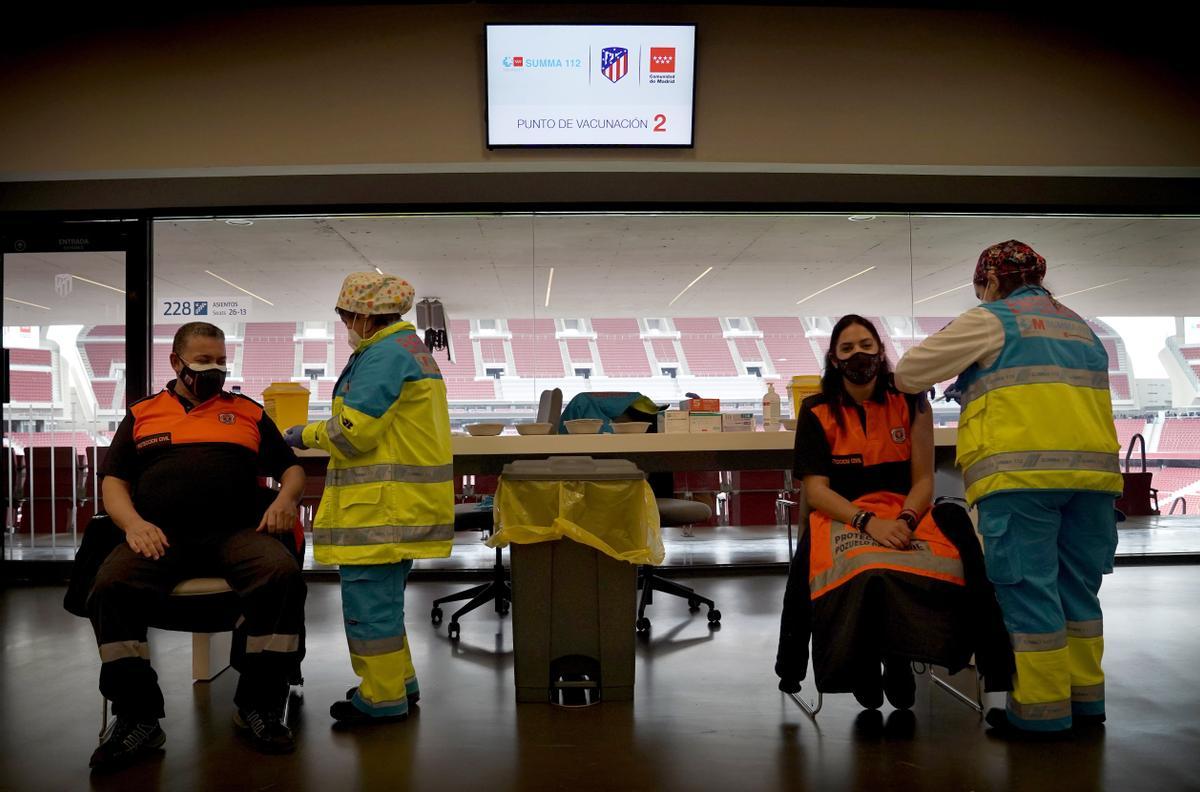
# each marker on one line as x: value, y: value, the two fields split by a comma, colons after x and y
x: 590, y: 85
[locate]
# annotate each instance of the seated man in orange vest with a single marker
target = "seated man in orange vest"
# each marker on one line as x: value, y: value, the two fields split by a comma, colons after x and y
x: 875, y: 581
x: 181, y: 482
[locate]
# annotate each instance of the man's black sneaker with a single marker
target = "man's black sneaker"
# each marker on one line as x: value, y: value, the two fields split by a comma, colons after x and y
x: 126, y: 740
x: 266, y: 730
x: 346, y: 714
x: 898, y: 684
x: 413, y: 698
x: 1001, y: 726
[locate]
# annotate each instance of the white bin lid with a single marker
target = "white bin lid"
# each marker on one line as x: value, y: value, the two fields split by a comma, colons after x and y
x: 572, y: 468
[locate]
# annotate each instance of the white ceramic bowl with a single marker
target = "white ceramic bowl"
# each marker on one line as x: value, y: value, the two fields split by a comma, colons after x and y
x: 583, y: 426
x: 484, y: 429
x: 534, y: 428
x: 788, y: 424
x: 630, y: 427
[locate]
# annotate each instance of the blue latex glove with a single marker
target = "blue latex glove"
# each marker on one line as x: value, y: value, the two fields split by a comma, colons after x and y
x: 295, y: 436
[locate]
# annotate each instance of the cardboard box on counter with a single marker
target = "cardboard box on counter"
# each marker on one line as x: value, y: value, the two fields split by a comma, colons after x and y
x: 705, y: 422
x: 674, y: 422
x: 737, y: 422
x: 700, y: 405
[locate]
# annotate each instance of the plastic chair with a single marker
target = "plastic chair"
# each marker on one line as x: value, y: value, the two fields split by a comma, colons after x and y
x: 811, y: 708
x: 209, y: 609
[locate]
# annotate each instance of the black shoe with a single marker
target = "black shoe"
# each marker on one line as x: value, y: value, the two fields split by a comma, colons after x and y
x: 789, y: 685
x: 1000, y: 726
x: 898, y: 684
x: 413, y: 698
x: 1087, y: 723
x: 126, y: 740
x: 346, y: 714
x: 870, y: 692
x: 266, y: 730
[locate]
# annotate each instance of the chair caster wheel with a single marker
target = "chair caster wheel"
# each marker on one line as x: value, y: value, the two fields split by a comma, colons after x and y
x: 693, y: 604
x: 643, y: 625
x: 714, y: 616
x: 435, y: 616
x: 452, y: 631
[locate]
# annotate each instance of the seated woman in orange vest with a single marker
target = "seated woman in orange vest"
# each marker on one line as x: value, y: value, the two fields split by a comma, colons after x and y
x: 874, y: 580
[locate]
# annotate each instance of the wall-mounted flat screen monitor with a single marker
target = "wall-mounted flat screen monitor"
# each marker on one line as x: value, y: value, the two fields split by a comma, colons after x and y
x: 590, y: 85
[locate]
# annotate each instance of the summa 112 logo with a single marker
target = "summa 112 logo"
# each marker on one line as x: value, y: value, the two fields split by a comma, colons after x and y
x: 528, y: 63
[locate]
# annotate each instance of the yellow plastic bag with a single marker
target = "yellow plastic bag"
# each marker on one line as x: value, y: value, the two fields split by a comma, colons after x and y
x: 618, y: 518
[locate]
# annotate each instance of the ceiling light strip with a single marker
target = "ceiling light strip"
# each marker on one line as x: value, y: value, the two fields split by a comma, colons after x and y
x: 1092, y: 288
x: 832, y: 285
x: 239, y: 288
x: 690, y: 285
x: 23, y: 302
x: 941, y: 294
x: 97, y: 283
x: 549, y: 286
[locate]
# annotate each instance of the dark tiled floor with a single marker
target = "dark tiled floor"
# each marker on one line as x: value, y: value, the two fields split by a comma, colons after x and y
x: 721, y: 546
x: 706, y: 714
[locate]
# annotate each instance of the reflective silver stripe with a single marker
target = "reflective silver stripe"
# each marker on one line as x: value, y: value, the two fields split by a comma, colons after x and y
x: 119, y: 650
x: 843, y: 539
x: 1036, y: 375
x: 1014, y: 461
x: 1087, y: 693
x: 383, y: 534
x: 241, y: 620
x: 1086, y: 629
x: 1039, y: 642
x: 272, y: 643
x: 381, y: 704
x: 1056, y: 327
x: 408, y: 474
x: 1050, y: 710
x: 333, y: 428
x: 375, y: 646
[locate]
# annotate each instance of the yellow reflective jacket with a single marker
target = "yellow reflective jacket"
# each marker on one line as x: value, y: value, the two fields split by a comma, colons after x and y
x: 389, y: 490
x: 1040, y: 417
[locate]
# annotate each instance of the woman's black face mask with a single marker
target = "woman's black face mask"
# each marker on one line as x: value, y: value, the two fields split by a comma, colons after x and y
x: 860, y: 368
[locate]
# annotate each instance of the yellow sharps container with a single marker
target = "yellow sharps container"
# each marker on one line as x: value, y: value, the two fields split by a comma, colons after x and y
x: 801, y: 387
x: 286, y: 403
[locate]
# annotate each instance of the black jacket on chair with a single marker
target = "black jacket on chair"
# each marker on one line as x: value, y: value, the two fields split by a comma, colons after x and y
x: 100, y: 537
x: 844, y: 624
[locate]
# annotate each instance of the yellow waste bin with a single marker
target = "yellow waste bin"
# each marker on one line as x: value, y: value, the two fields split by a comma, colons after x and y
x: 578, y: 528
x: 286, y: 403
x: 803, y: 386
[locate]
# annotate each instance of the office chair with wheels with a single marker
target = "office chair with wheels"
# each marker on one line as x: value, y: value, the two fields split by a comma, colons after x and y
x: 469, y: 517
x: 674, y: 512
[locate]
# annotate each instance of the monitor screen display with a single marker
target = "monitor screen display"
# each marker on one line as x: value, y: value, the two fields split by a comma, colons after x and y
x: 590, y: 85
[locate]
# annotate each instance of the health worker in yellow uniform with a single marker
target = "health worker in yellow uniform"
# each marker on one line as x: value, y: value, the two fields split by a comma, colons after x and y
x: 389, y: 492
x: 1038, y: 451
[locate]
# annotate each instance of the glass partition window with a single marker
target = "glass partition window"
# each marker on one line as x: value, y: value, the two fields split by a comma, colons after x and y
x: 665, y: 304
x: 64, y: 327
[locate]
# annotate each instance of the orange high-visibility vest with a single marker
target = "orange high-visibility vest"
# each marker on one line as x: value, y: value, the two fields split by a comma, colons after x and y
x: 838, y: 552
